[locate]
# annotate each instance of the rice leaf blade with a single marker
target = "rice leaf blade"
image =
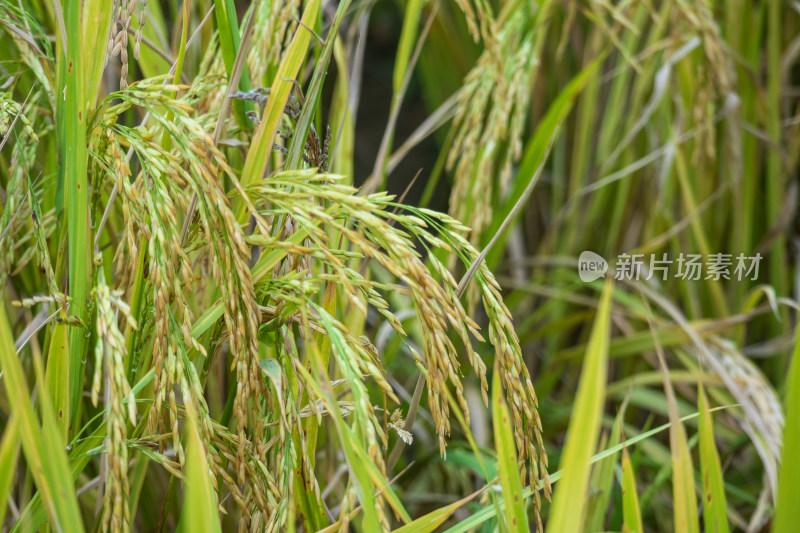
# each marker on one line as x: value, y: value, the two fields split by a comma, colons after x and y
x: 200, y: 503
x: 789, y: 478
x: 48, y: 464
x: 631, y: 516
x: 298, y: 141
x: 714, y: 502
x: 9, y: 455
x: 261, y: 147
x: 516, y: 516
x: 569, y: 502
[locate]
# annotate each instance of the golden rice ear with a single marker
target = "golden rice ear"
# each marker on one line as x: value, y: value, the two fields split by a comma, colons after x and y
x: 386, y: 238
x: 111, y: 355
x: 118, y: 41
x: 321, y: 260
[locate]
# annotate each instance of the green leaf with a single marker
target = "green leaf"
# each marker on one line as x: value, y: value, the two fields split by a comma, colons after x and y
x: 714, y: 506
x: 230, y: 42
x: 298, y: 141
x: 408, y: 36
x: 96, y: 25
x: 229, y: 36
x: 46, y: 460
x: 9, y: 454
x: 82, y: 450
x: 57, y: 369
x: 71, y: 123
x: 272, y: 369
x: 486, y: 513
x: 786, y: 513
x: 200, y: 504
x: 569, y: 499
x: 429, y: 522
x: 57, y: 377
x: 683, y: 491
x: 602, y: 481
x: 365, y: 473
x: 631, y: 516
x: 261, y: 147
x: 516, y: 516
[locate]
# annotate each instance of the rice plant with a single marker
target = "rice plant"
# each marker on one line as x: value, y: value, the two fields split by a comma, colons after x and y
x: 216, y: 316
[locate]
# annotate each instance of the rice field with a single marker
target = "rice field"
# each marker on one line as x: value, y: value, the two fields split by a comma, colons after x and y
x: 411, y: 265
